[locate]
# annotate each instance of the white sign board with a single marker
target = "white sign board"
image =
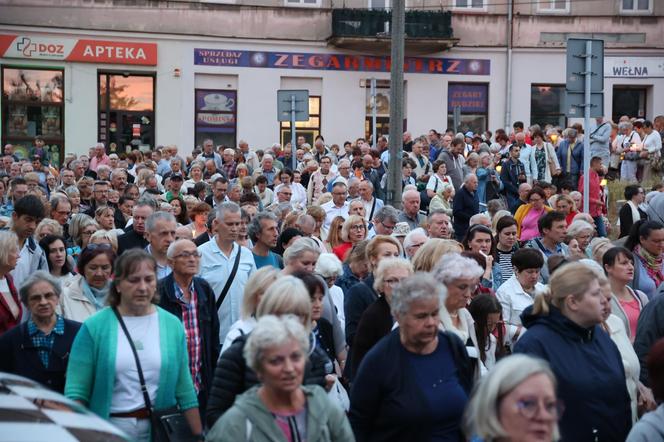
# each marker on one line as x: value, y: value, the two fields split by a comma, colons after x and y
x: 633, y: 67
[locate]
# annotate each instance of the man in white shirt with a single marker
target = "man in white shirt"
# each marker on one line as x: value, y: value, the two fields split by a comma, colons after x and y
x: 371, y: 204
x: 527, y: 156
x: 338, y: 206
x: 218, y: 258
x: 652, y: 149
x: 160, y: 232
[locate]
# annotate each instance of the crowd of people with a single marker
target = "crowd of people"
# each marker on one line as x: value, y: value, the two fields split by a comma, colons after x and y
x: 255, y: 300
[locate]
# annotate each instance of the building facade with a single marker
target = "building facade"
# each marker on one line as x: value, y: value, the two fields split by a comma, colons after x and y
x: 180, y: 72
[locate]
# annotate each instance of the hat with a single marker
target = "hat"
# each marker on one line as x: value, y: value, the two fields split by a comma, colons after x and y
x: 401, y: 229
x: 177, y: 176
x: 469, y: 134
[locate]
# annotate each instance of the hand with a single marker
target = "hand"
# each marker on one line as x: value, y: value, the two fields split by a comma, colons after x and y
x: 329, y: 381
x: 644, y: 154
x: 645, y: 399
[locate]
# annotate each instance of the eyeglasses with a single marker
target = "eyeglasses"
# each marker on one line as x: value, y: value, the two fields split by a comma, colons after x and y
x: 357, y: 227
x: 194, y: 254
x: 37, y: 298
x: 389, y: 227
x: 391, y: 282
x: 528, y: 408
x: 100, y: 246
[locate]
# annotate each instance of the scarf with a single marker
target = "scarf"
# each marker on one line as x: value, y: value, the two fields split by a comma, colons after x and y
x: 653, y: 264
x: 636, y: 216
x: 96, y: 296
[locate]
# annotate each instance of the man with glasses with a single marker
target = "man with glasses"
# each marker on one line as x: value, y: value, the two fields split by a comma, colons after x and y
x: 67, y: 179
x: 344, y: 174
x: 338, y: 206
x: 371, y: 204
x: 191, y: 299
x: 384, y: 222
x: 100, y: 197
x: 60, y: 211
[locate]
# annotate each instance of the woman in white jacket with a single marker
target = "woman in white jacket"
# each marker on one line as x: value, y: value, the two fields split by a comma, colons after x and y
x: 519, y: 291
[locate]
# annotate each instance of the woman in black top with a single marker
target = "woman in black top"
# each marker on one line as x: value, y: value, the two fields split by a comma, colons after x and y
x: 630, y: 212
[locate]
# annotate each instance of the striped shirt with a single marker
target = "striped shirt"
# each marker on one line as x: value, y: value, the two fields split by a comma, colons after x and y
x: 192, y: 333
x: 505, y: 263
x: 44, y: 342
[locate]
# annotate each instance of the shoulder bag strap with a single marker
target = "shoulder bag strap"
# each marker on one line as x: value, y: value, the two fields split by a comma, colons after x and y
x: 229, y: 281
x: 144, y: 388
x: 373, y: 207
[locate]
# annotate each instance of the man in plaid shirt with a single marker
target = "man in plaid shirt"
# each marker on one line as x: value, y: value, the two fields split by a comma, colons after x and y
x: 191, y: 299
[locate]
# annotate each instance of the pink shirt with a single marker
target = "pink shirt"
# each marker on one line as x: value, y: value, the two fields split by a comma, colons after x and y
x: 529, y: 229
x: 96, y: 162
x: 632, y: 311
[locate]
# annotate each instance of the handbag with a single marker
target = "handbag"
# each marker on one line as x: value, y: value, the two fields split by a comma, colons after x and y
x: 168, y: 424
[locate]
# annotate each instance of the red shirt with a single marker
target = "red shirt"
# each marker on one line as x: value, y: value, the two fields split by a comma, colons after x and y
x: 595, y: 209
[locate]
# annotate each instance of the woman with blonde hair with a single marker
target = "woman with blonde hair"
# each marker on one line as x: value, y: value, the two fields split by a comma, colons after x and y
x: 105, y: 217
x: 431, y: 251
x: 564, y: 329
x: 334, y: 238
x: 256, y: 286
x: 47, y: 226
x: 109, y: 237
x: 353, y: 230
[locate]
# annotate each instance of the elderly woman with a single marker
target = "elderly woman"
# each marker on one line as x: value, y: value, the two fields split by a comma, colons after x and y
x: 74, y: 198
x: 86, y: 293
x: 528, y: 215
x: 232, y: 377
x: 415, y: 382
x: 646, y: 241
x: 330, y: 269
x: 11, y: 309
x: 195, y: 176
x: 428, y: 255
x: 520, y: 289
x: 105, y: 374
x: 631, y: 212
x: 377, y: 320
x: 515, y: 401
x: 443, y: 201
x: 353, y: 231
x: 81, y: 228
x: 59, y: 266
x: 564, y: 329
x: 47, y: 226
x: 281, y: 408
x: 257, y: 285
x: 39, y: 348
x: 460, y: 275
x: 199, y: 215
x: 583, y: 233
x: 109, y: 237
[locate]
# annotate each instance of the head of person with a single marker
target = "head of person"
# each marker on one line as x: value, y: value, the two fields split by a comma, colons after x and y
x: 287, y: 296
x: 389, y: 273
x: 9, y: 251
x: 416, y: 303
x: 515, y: 401
x: 160, y: 232
x: 537, y: 198
x: 413, y: 241
x: 564, y: 204
x: 439, y: 167
x: 339, y: 193
x: 515, y: 151
x: 354, y: 229
x: 577, y: 197
x: 276, y: 351
x: 96, y: 264
x: 380, y: 247
x: 582, y: 232
x: 329, y: 268
x: 28, y: 212
x: 47, y: 226
x: 357, y: 260
x: 40, y: 293
x: 227, y: 222
x: 356, y: 207
x: 301, y: 256
x: 142, y: 210
x: 411, y: 202
x: 479, y: 239
x: 553, y: 226
x: 259, y: 282
x: 574, y: 289
x: 316, y: 288
x: 486, y: 312
x: 648, y: 235
x: 527, y: 264
x: 108, y: 237
x: 618, y: 264
x: 60, y: 209
x: 264, y: 229
x: 105, y: 217
x: 385, y: 220
x: 506, y: 233
x: 460, y: 275
x: 439, y: 224
x: 429, y: 253
x: 134, y: 285
x: 366, y: 189
x: 56, y: 254
x: 635, y: 193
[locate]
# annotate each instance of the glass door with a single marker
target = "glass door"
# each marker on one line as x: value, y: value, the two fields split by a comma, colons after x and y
x: 630, y: 101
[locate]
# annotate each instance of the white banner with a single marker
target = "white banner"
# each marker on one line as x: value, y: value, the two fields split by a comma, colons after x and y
x: 633, y: 67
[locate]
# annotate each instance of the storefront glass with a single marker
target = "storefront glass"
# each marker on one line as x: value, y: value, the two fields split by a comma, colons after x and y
x: 32, y: 105
x: 216, y: 117
x: 547, y: 103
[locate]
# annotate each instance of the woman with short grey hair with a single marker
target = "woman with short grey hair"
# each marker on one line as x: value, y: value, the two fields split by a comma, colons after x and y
x: 417, y: 372
x: 582, y: 232
x: 515, y: 401
x: 281, y: 406
x: 39, y: 348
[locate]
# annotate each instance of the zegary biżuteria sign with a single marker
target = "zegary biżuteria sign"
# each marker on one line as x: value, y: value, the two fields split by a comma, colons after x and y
x: 634, y: 67
x: 469, y: 97
x: 338, y: 62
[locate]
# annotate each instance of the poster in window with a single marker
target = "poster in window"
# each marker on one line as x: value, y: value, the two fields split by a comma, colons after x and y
x: 216, y: 101
x: 50, y: 123
x: 18, y: 120
x: 215, y: 119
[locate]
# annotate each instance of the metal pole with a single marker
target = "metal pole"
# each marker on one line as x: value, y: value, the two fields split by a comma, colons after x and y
x: 393, y: 196
x: 508, y: 68
x: 586, y: 126
x: 293, y: 137
x: 373, y: 111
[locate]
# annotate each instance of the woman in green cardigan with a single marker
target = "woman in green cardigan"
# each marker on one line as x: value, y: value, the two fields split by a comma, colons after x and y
x: 102, y: 371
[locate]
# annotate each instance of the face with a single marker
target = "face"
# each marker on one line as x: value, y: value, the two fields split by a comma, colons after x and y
x: 235, y: 194
x: 282, y: 367
x: 196, y: 173
x: 62, y: 212
x: 578, y: 200
x: 139, y: 287
x: 161, y: 236
x: 101, y: 194
x: 439, y: 226
x: 177, y: 207
x: 415, y: 246
x: 357, y: 232
x: 220, y: 190
x: 507, y: 237
x: 186, y: 259
x: 98, y: 271
x: 563, y: 206
x: 45, y: 230
x: 419, y: 326
x: 284, y: 195
x: 527, y: 277
x: 459, y: 293
x: 590, y: 307
x: 228, y: 229
x: 391, y: 279
x: 558, y: 231
x: 19, y: 191
x: 140, y: 214
x: 325, y: 165
x: 356, y: 208
x: 384, y: 227
x: 481, y: 242
x: 12, y: 258
x: 57, y: 254
x: 119, y: 181
x: 654, y: 243
x: 384, y: 250
x: 411, y: 204
x: 106, y: 220
x: 530, y: 411
x: 365, y: 191
x: 317, y: 305
x: 24, y: 225
x: 339, y: 195
x: 42, y: 300
x: 606, y: 291
x: 583, y: 239
x: 269, y: 233
x: 515, y: 151
x: 537, y: 201
x: 622, y: 269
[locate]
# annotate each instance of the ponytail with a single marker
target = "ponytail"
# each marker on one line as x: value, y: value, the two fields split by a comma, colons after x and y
x: 542, y: 302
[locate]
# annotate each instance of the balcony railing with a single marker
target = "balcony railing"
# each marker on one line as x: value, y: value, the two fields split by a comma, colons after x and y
x: 372, y: 23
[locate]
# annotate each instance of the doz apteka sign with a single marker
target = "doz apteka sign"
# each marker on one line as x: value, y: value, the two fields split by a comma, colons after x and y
x: 78, y: 50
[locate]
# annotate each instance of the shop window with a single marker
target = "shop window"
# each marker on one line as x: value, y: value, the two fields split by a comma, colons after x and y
x: 126, y: 111
x: 470, y: 4
x: 309, y: 129
x: 33, y: 105
x: 547, y: 103
x: 471, y: 100
x: 553, y: 6
x: 382, y: 103
x: 630, y: 101
x: 635, y: 6
x: 216, y: 116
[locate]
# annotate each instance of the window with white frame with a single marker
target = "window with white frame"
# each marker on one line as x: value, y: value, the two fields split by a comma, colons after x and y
x: 553, y: 6
x: 305, y: 3
x: 379, y: 4
x: 636, y: 6
x: 469, y: 4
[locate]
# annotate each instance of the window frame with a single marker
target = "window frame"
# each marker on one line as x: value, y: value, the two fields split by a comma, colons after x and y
x: 541, y: 8
x: 301, y: 4
x: 284, y: 126
x: 388, y: 5
x: 561, y: 113
x: 470, y: 8
x: 635, y: 11
x: 200, y: 111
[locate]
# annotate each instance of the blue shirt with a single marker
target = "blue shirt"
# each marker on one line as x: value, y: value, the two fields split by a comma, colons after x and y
x: 272, y: 259
x: 44, y: 342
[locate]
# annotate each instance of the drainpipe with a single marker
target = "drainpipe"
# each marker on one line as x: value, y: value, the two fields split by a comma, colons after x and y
x: 508, y: 88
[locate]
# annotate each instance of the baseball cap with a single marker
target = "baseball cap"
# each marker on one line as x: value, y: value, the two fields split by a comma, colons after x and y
x: 401, y: 229
x: 177, y: 176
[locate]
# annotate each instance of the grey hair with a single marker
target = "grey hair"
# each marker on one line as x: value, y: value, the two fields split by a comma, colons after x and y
x: 8, y: 241
x: 352, y: 180
x: 343, y: 161
x: 299, y: 247
x: 272, y: 331
x: 416, y: 287
x: 117, y: 171
x: 570, y: 132
x: 369, y: 183
x: 74, y: 164
x: 435, y: 212
x: 255, y: 227
x: 453, y: 266
x: 579, y: 226
x: 151, y: 222
x: 386, y: 265
x: 305, y: 220
x: 387, y: 213
x: 56, y: 200
x: 170, y: 253
x: 624, y: 125
x: 468, y: 177
x: 475, y: 219
x: 409, y: 239
x: 328, y: 265
x: 146, y: 201
x: 77, y: 224
x: 71, y: 190
x: 226, y: 207
x: 481, y: 417
x: 35, y: 278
